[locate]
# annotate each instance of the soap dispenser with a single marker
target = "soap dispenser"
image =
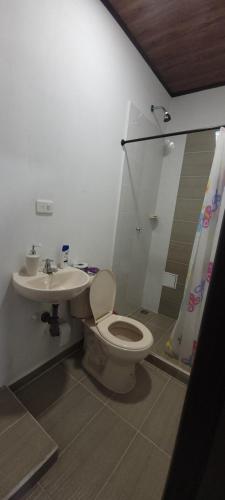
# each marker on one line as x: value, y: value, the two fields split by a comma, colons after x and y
x: 32, y: 261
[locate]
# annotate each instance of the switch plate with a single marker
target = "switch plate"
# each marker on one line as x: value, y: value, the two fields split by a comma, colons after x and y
x: 44, y: 207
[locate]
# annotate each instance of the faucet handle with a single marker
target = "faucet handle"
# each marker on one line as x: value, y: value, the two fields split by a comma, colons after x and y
x: 48, y: 268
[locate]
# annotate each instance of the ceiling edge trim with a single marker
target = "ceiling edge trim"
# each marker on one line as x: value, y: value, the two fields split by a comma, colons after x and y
x: 198, y: 89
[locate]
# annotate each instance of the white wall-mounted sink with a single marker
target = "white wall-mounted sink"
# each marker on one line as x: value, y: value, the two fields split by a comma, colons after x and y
x: 53, y: 288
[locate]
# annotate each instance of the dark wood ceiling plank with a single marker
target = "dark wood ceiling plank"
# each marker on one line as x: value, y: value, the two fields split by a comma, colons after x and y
x: 184, y: 40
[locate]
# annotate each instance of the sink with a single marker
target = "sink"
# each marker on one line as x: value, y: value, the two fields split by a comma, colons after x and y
x: 54, y: 288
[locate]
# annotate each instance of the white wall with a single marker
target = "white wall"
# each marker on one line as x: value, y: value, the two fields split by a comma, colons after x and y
x: 67, y: 73
x: 200, y: 109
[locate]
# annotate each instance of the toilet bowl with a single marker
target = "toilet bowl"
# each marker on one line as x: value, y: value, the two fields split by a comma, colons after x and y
x: 113, y: 344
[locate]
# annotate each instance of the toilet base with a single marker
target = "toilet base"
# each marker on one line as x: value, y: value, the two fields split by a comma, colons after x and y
x: 115, y: 376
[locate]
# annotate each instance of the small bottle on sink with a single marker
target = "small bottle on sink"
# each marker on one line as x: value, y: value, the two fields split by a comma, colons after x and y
x: 64, y: 257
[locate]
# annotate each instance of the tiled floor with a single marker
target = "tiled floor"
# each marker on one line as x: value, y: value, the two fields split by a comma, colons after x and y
x: 160, y: 326
x: 112, y: 447
x: 25, y: 446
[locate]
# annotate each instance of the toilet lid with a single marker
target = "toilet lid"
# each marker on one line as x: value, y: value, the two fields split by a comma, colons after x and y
x: 102, y: 294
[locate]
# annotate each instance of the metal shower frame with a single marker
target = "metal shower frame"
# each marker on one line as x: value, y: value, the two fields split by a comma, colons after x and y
x: 172, y: 134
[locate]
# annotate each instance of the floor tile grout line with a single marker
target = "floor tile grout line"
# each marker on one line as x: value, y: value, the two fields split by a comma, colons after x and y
x: 133, y: 427
x: 36, y: 421
x: 155, y: 402
x: 149, y: 440
x: 148, y: 413
x: 93, y: 393
x: 43, y: 490
x: 13, y: 424
x: 82, y: 430
x: 115, y: 468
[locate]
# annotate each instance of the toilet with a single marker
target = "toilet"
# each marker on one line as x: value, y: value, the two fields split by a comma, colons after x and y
x: 113, y: 344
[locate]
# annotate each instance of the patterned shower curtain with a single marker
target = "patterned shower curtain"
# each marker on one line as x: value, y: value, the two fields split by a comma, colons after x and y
x: 183, y: 341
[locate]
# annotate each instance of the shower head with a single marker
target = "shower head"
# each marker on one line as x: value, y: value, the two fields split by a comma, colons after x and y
x: 166, y: 115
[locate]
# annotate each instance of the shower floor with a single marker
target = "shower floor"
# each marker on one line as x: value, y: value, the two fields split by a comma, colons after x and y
x: 160, y: 326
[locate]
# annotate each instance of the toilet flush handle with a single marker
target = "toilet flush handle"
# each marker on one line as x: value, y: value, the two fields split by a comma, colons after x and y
x: 139, y: 229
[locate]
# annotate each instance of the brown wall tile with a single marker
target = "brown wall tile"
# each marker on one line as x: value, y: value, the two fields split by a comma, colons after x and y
x: 192, y: 187
x: 170, y: 301
x: 188, y: 209
x: 180, y: 252
x: 183, y: 231
x: 201, y: 141
x: 197, y: 163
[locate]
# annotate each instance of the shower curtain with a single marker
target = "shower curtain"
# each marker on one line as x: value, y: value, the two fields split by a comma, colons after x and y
x: 183, y: 341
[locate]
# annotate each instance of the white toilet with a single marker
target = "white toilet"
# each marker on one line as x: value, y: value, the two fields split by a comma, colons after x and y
x: 113, y: 344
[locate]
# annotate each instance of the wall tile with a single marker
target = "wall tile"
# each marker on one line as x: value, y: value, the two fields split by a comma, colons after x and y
x: 201, y: 141
x: 170, y: 301
x: 197, y: 163
x: 183, y: 231
x: 192, y: 187
x: 188, y: 209
x: 180, y: 252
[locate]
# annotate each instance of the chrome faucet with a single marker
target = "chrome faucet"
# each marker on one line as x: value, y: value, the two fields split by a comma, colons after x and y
x: 48, y: 267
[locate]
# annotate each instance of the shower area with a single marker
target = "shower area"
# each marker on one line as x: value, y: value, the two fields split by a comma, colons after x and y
x: 164, y: 187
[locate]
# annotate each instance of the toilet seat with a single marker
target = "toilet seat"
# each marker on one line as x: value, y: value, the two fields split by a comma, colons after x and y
x: 134, y: 338
x: 118, y: 331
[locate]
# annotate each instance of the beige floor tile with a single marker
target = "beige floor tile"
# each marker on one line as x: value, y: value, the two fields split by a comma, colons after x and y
x: 136, y: 404
x: 83, y: 468
x: 10, y: 409
x: 140, y: 476
x: 161, y: 321
x: 24, y: 448
x: 162, y: 424
x: 157, y: 332
x: 64, y: 420
x: 143, y: 317
x: 74, y: 365
x: 159, y: 347
x: 96, y: 388
x: 46, y: 389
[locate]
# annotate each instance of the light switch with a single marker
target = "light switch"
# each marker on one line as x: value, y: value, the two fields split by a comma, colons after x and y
x: 44, y: 207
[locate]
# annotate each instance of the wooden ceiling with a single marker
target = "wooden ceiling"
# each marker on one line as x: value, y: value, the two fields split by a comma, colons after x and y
x: 182, y: 40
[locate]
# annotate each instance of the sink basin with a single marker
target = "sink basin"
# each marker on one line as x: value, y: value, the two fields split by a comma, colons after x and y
x: 54, y: 288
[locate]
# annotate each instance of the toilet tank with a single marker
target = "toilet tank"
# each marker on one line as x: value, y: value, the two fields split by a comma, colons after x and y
x: 80, y: 305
